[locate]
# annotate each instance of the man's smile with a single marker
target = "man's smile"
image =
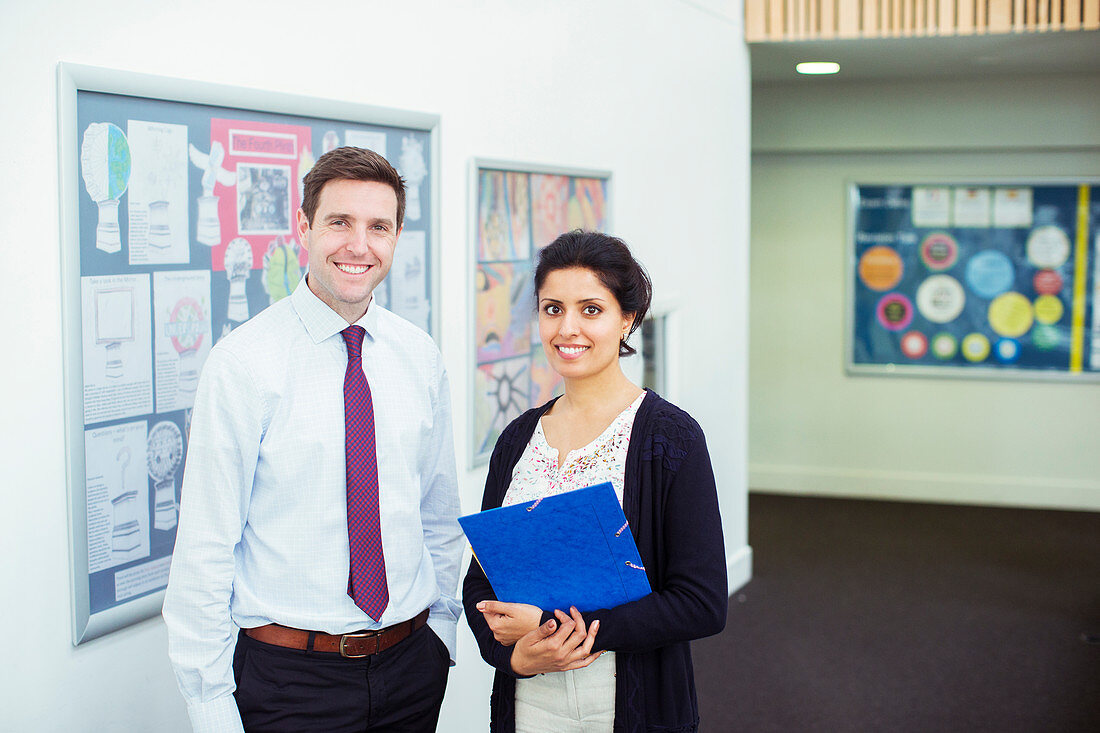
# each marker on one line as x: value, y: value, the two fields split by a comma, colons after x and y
x: 352, y: 269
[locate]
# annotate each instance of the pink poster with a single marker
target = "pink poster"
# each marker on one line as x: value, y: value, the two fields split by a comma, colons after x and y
x: 269, y: 161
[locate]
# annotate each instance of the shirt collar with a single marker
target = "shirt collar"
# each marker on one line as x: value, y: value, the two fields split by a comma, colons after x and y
x: 322, y: 322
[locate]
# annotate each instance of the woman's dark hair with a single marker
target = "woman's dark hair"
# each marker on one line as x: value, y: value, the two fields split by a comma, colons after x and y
x: 610, y: 260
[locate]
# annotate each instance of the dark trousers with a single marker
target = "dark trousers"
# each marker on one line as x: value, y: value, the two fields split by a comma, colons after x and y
x: 283, y: 690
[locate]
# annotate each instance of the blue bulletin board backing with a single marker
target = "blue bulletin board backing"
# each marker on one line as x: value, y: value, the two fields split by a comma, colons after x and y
x: 975, y: 279
x: 178, y: 203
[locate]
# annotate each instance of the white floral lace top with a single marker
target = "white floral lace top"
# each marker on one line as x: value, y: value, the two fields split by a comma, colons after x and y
x: 537, y: 475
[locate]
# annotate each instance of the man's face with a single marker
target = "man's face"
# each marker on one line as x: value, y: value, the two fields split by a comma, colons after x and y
x: 350, y: 243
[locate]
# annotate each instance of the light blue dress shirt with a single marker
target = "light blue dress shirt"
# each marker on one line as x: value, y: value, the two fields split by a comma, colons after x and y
x: 262, y: 534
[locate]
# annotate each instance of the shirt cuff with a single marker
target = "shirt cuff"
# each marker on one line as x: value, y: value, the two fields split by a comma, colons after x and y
x: 219, y: 715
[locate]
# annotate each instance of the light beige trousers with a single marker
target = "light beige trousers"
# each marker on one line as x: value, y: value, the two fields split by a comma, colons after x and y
x: 577, y: 701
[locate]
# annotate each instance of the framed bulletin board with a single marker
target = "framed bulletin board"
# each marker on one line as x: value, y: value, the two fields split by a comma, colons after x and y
x: 975, y: 279
x: 178, y: 204
x: 516, y: 210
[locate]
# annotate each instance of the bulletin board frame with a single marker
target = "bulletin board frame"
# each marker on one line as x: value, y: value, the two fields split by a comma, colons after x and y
x: 593, y: 215
x: 96, y: 611
x: 974, y: 278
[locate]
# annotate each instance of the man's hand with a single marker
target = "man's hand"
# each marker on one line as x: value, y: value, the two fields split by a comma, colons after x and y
x: 556, y: 646
x: 510, y: 621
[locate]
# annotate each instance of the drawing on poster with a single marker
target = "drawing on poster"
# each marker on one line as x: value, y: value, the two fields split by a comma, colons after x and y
x: 164, y: 454
x: 188, y: 326
x: 931, y: 206
x: 117, y: 344
x: 502, y: 392
x: 588, y: 204
x: 545, y: 382
x: 408, y: 279
x: 493, y: 240
x: 517, y: 187
x: 125, y: 520
x: 105, y: 165
x: 263, y: 199
x: 181, y: 306
x: 238, y: 266
x: 366, y: 139
x: 413, y: 169
x: 973, y: 207
x: 157, y: 195
x: 114, y: 325
x: 305, y: 164
x: 281, y: 271
x: 517, y: 213
x: 330, y: 141
x: 208, y: 229
x: 117, y: 494
x: 504, y: 231
x: 549, y: 207
x: 1012, y: 207
x: 505, y: 301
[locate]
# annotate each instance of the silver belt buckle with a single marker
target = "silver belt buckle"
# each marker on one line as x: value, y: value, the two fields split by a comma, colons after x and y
x: 344, y: 639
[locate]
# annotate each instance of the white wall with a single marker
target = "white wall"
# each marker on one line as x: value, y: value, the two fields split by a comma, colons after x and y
x: 812, y: 428
x: 654, y: 90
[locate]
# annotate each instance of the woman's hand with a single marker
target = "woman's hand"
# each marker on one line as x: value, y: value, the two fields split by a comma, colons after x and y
x: 556, y: 646
x: 510, y: 621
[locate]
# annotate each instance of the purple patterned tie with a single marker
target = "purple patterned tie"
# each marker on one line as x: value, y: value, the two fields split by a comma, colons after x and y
x: 367, y: 578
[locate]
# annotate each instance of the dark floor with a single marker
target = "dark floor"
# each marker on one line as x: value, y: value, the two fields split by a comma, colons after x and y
x: 891, y: 616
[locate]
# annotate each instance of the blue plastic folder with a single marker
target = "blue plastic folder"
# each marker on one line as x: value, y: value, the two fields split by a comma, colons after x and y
x: 571, y: 549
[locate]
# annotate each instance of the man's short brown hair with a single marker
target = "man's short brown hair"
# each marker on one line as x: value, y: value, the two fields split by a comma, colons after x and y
x: 350, y: 164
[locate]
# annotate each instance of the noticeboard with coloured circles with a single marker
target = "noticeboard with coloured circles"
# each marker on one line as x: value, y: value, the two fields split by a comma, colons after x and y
x: 975, y: 279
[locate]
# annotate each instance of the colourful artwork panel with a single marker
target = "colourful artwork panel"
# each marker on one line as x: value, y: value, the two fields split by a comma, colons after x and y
x: 501, y: 392
x: 505, y: 310
x: 549, y: 207
x: 518, y: 212
x: 504, y: 216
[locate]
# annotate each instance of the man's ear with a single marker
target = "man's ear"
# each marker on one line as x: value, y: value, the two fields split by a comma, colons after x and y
x: 303, y: 227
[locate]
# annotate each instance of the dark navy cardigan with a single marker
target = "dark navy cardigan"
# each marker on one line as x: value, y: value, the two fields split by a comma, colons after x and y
x: 670, y: 500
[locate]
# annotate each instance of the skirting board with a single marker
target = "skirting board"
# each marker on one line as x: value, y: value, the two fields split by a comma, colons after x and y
x: 739, y: 568
x: 947, y: 488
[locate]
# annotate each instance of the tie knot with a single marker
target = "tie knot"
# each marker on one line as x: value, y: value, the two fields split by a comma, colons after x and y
x: 353, y: 337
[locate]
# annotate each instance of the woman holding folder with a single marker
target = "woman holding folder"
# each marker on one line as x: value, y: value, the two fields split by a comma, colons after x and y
x: 629, y: 667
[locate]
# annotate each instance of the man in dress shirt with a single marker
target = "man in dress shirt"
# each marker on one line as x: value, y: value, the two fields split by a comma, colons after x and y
x: 263, y: 539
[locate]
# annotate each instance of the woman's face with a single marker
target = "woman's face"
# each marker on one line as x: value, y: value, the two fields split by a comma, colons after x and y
x: 580, y: 323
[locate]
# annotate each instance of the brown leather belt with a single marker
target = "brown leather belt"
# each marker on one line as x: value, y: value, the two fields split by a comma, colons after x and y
x: 352, y: 646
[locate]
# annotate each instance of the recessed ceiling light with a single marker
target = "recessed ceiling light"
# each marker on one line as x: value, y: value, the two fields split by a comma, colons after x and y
x: 817, y: 67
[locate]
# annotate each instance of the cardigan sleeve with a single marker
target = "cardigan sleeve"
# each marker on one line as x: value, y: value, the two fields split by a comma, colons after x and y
x: 691, y: 602
x: 476, y: 587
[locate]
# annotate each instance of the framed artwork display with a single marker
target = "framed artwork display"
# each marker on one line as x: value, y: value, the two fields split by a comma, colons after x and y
x: 987, y: 279
x: 178, y: 202
x: 516, y: 210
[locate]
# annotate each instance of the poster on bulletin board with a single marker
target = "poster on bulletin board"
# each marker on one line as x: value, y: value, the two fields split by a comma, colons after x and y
x: 973, y: 279
x: 178, y: 210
